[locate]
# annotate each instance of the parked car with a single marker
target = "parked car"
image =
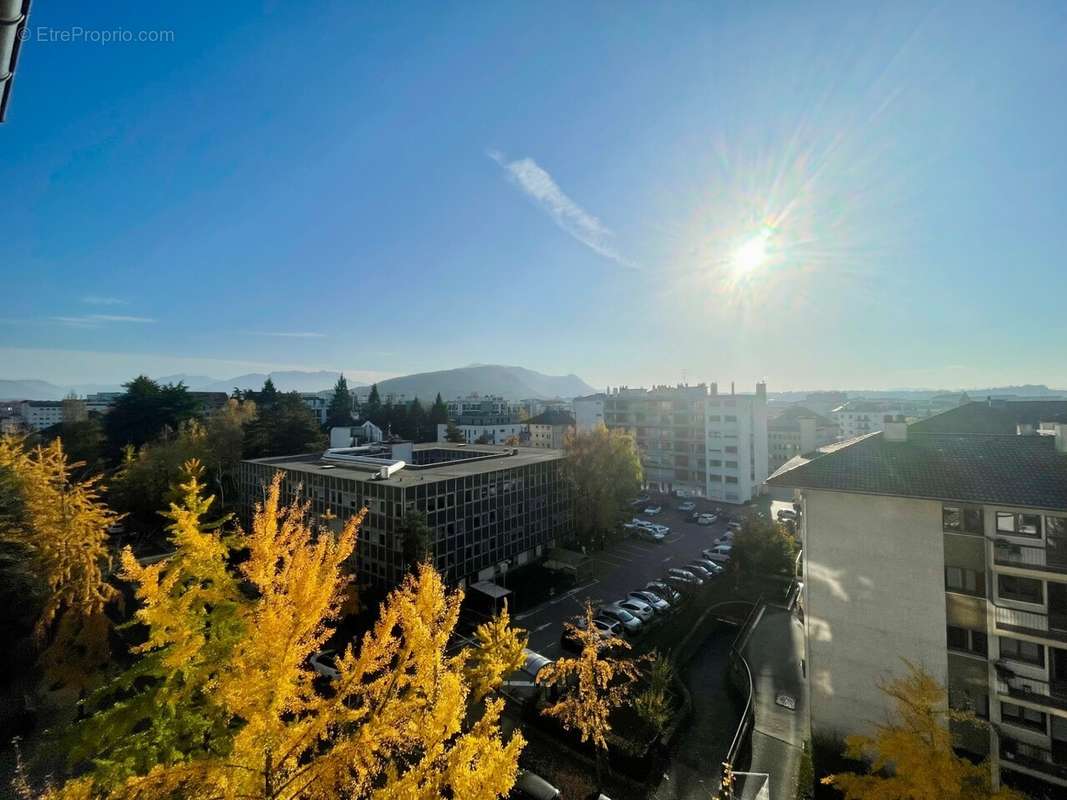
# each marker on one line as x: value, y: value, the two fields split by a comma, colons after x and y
x: 659, y: 604
x: 706, y: 519
x: 640, y: 500
x: 684, y: 575
x: 324, y: 663
x: 650, y: 534
x: 734, y: 525
x: 607, y: 628
x: 714, y: 567
x: 644, y: 523
x: 653, y: 510
x: 694, y: 517
x: 530, y: 786
x: 639, y: 608
x: 687, y: 506
x: 726, y: 538
x: 720, y: 553
x: 630, y: 623
x: 664, y: 590
x: 704, y: 574
x: 786, y: 514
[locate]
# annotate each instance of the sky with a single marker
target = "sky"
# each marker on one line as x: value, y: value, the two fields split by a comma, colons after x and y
x: 814, y: 194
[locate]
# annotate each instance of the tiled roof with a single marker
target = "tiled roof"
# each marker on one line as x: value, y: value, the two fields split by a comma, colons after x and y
x: 1005, y: 470
x: 552, y: 417
x: 993, y: 417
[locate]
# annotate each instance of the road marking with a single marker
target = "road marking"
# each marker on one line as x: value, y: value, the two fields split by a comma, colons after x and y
x: 668, y: 558
x: 540, y: 628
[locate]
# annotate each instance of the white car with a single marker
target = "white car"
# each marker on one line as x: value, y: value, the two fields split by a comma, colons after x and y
x: 629, y: 622
x: 706, y: 519
x: 734, y: 526
x: 714, y: 567
x: 649, y: 534
x: 720, y: 553
x: 653, y: 510
x: 639, y: 608
x: 644, y: 523
x: 659, y: 604
x: 684, y: 576
x: 787, y: 514
x: 687, y: 506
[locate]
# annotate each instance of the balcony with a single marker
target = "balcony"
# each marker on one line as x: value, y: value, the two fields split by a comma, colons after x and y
x: 1052, y: 694
x: 1052, y: 558
x: 1030, y: 757
x: 1048, y: 626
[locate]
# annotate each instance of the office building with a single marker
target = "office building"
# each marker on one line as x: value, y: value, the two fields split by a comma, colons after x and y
x: 948, y: 548
x: 490, y: 508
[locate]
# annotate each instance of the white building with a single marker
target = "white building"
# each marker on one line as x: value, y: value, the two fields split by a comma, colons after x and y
x: 858, y: 417
x: 493, y: 432
x: 548, y: 430
x: 948, y: 549
x: 694, y: 440
x: 476, y: 404
x: 588, y: 411
x: 319, y: 404
x: 40, y: 414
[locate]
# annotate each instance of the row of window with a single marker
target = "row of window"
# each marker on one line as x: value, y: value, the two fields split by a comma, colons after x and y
x: 965, y: 640
x: 968, y: 519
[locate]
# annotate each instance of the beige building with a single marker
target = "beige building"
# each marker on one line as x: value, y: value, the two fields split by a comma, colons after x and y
x: 947, y: 549
x: 795, y: 431
x: 548, y: 430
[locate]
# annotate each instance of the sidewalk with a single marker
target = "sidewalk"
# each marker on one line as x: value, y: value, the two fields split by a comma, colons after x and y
x: 774, y: 654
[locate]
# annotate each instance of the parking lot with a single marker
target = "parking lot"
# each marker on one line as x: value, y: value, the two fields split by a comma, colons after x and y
x: 622, y: 567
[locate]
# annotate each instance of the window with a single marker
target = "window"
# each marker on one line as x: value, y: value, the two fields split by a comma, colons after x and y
x: 1024, y: 590
x: 1055, y: 527
x: 1018, y: 650
x: 1018, y: 524
x: 730, y: 449
x: 962, y: 519
x: 1026, y: 717
x: 967, y: 641
x: 961, y: 579
x: 730, y: 418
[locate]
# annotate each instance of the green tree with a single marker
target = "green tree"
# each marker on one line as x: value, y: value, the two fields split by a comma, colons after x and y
x: 374, y: 400
x: 268, y: 395
x: 764, y: 548
x: 146, y: 408
x: 418, y: 422
x: 653, y: 704
x: 604, y: 471
x: 453, y: 434
x: 911, y: 755
x: 339, y: 413
x: 283, y: 427
x: 416, y: 539
x: 438, y: 414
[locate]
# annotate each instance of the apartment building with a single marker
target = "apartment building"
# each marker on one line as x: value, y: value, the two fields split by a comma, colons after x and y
x: 948, y: 549
x: 694, y: 440
x: 548, y: 429
x: 796, y: 430
x: 859, y: 417
x: 489, y: 507
x: 588, y: 411
x: 37, y: 415
x: 478, y: 405
x: 485, y: 429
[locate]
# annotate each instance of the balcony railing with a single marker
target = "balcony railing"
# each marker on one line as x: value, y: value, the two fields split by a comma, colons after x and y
x: 1031, y: 757
x: 1036, y: 691
x: 1046, y: 559
x: 1049, y: 626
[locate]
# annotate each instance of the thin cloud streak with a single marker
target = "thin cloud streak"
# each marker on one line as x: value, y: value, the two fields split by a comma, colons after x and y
x: 100, y: 300
x: 96, y: 320
x: 288, y: 334
x: 537, y: 184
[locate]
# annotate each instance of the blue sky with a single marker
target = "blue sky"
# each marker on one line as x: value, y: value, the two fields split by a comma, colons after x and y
x: 387, y: 188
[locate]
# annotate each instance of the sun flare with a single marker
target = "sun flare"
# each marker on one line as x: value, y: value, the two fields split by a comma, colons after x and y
x: 752, y: 254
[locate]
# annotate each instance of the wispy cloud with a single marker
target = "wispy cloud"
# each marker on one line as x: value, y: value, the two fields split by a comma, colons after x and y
x: 289, y: 334
x: 535, y: 182
x: 100, y: 300
x: 96, y: 320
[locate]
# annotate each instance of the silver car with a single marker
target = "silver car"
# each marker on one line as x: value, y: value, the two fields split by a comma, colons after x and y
x: 659, y: 604
x: 639, y: 608
x: 630, y: 623
x: 685, y: 576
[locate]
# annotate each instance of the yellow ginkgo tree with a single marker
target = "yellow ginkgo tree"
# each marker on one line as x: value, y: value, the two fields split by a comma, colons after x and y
x: 392, y: 722
x: 58, y: 528
x: 499, y: 650
x: 911, y: 754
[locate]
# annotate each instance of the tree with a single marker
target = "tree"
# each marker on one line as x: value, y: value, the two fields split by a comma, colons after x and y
x: 284, y: 426
x: 512, y: 441
x: 653, y: 704
x: 339, y: 413
x: 438, y: 414
x: 417, y: 422
x: 764, y: 548
x: 604, y: 470
x: 911, y: 755
x: 499, y: 651
x: 392, y: 724
x: 453, y: 434
x: 416, y: 539
x: 268, y: 395
x: 374, y: 402
x: 593, y: 684
x: 141, y: 414
x: 225, y: 443
x: 485, y: 438
x: 58, y: 527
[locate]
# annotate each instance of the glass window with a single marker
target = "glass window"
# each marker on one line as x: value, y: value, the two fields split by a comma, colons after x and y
x: 961, y: 579
x: 961, y: 519
x: 1025, y: 590
x: 1018, y: 524
x: 1019, y: 715
x: 1018, y: 650
x: 967, y: 641
x: 957, y: 638
x: 1055, y: 526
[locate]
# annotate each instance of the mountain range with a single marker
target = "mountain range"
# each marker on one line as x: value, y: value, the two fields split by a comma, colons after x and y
x: 512, y: 383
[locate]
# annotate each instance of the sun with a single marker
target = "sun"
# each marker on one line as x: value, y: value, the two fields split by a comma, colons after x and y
x: 752, y: 254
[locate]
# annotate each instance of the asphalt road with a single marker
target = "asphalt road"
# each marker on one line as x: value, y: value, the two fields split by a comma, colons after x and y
x: 621, y: 568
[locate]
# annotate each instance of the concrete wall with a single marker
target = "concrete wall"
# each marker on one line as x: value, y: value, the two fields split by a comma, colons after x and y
x: 875, y: 593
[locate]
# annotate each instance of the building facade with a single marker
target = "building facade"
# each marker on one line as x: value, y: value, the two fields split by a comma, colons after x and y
x: 949, y: 550
x: 548, y: 430
x: 694, y: 440
x: 588, y: 411
x: 490, y: 508
x: 860, y: 417
x: 796, y: 430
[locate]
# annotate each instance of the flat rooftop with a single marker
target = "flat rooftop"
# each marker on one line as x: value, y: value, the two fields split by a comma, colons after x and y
x: 466, y: 460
